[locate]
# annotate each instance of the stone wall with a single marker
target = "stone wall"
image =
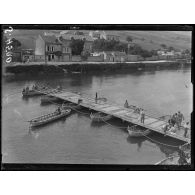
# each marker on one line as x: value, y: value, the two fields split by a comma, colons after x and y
x: 95, y: 59
x: 76, y: 58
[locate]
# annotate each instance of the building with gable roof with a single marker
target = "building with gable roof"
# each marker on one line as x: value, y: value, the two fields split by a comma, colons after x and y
x: 48, y: 48
x: 88, y: 41
x: 24, y: 53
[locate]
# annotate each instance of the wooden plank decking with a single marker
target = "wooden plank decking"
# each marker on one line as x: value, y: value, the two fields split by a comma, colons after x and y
x: 126, y: 114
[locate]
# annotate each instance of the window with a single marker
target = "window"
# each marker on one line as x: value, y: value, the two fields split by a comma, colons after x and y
x: 52, y: 48
x: 47, y: 48
x: 52, y: 56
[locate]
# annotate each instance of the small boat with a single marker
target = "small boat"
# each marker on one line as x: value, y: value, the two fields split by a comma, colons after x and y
x: 49, y: 117
x: 135, y: 132
x: 31, y: 93
x: 71, y: 105
x: 34, y: 91
x: 49, y: 99
x: 99, y: 116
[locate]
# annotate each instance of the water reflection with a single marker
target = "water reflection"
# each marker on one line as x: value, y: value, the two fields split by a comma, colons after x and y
x: 98, y: 124
x: 34, y: 133
x: 154, y: 90
x: 136, y: 140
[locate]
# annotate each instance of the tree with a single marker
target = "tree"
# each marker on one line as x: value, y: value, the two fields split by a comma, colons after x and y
x: 85, y: 55
x: 171, y: 48
x: 15, y: 43
x: 109, y: 45
x: 129, y: 39
x: 77, y: 46
x: 61, y: 38
x: 163, y: 46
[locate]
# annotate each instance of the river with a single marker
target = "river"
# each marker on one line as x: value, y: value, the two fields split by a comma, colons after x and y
x: 75, y: 139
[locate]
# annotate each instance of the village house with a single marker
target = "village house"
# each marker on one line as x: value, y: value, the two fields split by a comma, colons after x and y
x: 88, y: 45
x: 108, y: 56
x: 95, y: 34
x: 114, y: 56
x: 110, y: 37
x: 48, y: 48
x: 134, y: 58
x: 119, y: 56
x: 66, y: 49
x: 88, y: 41
x: 103, y: 35
x: 24, y: 53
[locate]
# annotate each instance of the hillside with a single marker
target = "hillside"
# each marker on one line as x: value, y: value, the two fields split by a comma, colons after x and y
x: 146, y: 39
x: 153, y: 39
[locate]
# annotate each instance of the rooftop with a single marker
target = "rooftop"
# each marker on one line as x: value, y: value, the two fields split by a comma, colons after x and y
x: 50, y: 39
x: 70, y: 36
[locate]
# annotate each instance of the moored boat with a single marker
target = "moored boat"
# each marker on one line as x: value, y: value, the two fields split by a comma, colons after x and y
x: 31, y: 93
x: 49, y: 117
x: 135, y: 132
x: 99, y: 116
x: 34, y: 91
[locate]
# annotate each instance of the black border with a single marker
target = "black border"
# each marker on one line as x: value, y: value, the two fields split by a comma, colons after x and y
x: 101, y: 167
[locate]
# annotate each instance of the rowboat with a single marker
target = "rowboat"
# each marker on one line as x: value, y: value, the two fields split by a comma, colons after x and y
x: 39, y: 91
x: 31, y: 93
x: 34, y: 91
x: 48, y: 99
x: 49, y: 117
x: 135, y: 132
x: 99, y: 116
x: 71, y: 105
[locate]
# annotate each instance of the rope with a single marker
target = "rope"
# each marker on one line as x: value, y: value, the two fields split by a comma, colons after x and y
x: 113, y: 125
x: 79, y: 111
x: 160, y: 142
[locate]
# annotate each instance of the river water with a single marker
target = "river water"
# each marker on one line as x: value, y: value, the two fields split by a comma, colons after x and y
x: 75, y: 139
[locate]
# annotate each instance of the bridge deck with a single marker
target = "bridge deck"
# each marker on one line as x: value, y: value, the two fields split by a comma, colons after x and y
x: 126, y: 114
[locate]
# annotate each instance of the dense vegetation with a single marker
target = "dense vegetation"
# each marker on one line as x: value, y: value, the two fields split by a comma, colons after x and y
x: 105, y: 45
x: 13, y: 42
x: 112, y: 45
x: 77, y: 46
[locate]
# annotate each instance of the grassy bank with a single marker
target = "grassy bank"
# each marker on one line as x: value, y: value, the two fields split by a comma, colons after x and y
x: 61, y: 68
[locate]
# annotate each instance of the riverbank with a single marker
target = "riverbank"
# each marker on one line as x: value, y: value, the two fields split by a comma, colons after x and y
x: 35, y: 68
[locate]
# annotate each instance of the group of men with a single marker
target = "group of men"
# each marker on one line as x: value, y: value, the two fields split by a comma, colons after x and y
x: 176, y: 119
x: 174, y: 124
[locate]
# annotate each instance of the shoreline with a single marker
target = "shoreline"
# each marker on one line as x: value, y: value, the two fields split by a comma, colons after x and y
x: 61, y: 68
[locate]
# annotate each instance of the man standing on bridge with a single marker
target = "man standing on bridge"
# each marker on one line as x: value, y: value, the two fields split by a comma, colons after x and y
x: 96, y: 97
x: 142, y: 113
